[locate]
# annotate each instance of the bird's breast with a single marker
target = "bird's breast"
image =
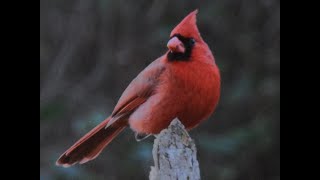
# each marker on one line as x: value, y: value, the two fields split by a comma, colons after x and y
x: 197, y: 91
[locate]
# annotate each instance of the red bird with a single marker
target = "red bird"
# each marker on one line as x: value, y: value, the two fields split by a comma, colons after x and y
x: 183, y: 83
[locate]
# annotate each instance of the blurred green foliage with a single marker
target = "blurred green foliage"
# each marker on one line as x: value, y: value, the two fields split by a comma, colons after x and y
x: 91, y: 50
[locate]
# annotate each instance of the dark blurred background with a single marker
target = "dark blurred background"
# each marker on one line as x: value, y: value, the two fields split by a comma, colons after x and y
x: 91, y: 50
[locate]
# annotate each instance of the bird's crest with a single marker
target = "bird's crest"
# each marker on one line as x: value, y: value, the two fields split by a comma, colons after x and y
x: 188, y: 27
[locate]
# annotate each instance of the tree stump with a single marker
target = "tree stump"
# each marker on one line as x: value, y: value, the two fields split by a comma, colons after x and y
x: 175, y: 155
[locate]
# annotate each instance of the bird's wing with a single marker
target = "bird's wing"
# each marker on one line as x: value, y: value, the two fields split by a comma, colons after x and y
x: 139, y: 90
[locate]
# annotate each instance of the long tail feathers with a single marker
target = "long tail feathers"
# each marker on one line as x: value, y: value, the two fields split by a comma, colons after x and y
x: 91, y: 144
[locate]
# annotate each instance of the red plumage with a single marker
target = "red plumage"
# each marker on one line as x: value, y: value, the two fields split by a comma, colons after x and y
x: 183, y: 83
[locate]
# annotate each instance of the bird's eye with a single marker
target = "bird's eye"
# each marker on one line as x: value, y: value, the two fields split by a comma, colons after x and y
x: 192, y: 41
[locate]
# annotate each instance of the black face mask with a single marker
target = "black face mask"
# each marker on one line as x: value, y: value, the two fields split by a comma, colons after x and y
x: 188, y: 44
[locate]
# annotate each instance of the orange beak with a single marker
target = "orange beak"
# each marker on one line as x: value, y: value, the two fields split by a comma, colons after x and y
x: 175, y: 45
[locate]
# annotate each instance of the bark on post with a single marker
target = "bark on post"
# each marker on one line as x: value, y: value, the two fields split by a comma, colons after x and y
x: 175, y: 155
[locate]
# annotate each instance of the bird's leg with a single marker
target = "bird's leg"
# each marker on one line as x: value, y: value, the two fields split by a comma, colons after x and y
x: 140, y: 136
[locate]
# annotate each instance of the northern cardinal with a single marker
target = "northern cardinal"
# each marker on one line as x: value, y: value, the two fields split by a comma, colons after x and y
x: 183, y: 83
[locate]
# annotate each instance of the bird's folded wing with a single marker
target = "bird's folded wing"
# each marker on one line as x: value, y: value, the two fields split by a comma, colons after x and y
x: 139, y: 90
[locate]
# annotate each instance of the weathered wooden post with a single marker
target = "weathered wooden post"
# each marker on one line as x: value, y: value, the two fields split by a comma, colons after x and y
x: 175, y: 155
